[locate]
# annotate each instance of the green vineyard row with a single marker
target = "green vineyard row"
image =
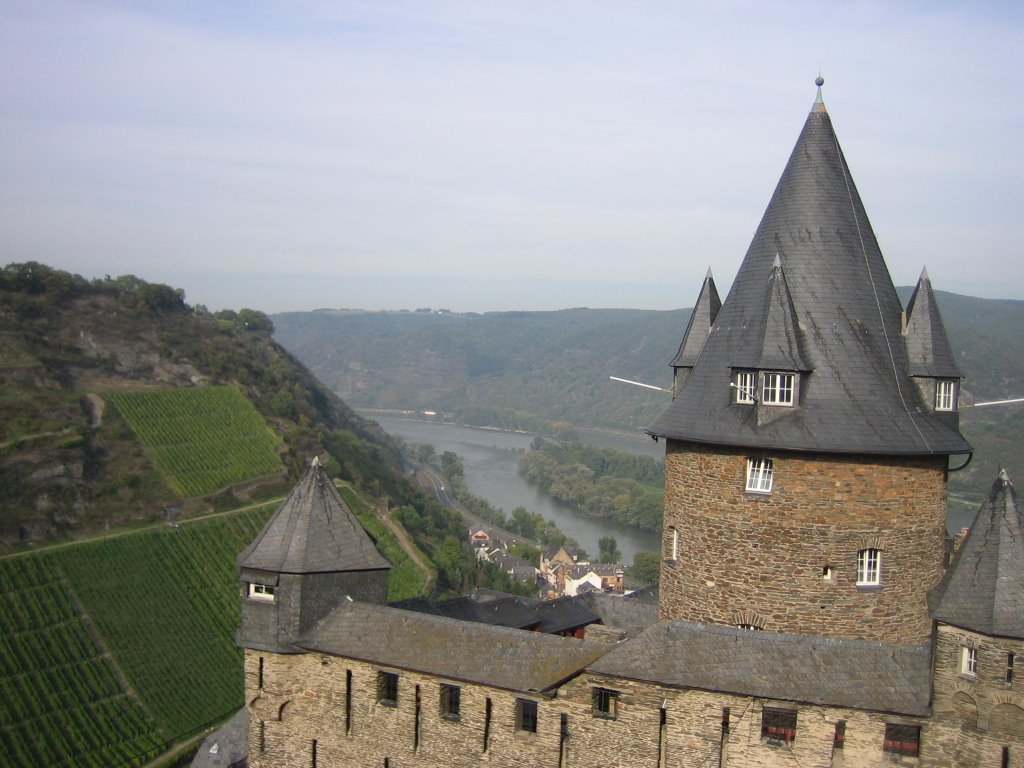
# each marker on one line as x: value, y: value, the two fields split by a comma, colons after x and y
x: 201, y: 438
x: 159, y: 606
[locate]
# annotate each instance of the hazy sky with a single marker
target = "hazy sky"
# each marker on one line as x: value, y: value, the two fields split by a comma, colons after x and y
x: 495, y: 155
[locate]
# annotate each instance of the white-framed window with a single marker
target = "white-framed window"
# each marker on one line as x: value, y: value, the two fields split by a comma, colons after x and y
x: 673, y: 543
x: 869, y: 567
x: 746, y: 387
x: 759, y: 475
x: 777, y: 388
x: 945, y: 395
x: 261, y: 592
x: 969, y: 661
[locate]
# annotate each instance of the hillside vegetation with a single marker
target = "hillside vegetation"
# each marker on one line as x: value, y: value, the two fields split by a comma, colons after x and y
x: 87, y: 367
x: 548, y: 371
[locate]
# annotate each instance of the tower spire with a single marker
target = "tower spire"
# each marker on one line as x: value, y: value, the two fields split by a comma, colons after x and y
x: 819, y: 103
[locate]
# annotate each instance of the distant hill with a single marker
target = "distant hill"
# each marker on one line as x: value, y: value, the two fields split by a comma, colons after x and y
x: 71, y: 463
x: 544, y: 371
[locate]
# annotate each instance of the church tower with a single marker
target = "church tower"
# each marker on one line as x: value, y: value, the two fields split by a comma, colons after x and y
x: 809, y: 437
x: 310, y: 555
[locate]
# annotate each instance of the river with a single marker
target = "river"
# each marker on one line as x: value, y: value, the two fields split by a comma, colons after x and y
x: 490, y: 460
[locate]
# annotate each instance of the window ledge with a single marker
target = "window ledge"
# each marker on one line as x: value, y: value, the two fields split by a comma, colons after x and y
x: 869, y: 587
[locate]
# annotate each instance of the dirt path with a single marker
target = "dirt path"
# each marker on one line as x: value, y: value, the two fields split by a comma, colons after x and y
x: 406, y: 542
x: 142, y: 529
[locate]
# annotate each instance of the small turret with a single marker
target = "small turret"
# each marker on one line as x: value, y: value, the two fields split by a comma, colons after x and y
x: 983, y: 590
x: 929, y: 353
x: 310, y: 555
x: 702, y: 320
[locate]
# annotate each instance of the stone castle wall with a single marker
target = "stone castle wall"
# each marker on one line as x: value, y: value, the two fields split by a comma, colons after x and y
x: 305, y: 698
x: 761, y: 559
x: 984, y: 710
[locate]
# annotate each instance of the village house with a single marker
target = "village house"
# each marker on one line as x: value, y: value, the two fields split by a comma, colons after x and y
x: 808, y: 613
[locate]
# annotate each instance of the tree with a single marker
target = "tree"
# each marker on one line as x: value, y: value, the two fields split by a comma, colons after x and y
x: 646, y: 568
x: 609, y: 550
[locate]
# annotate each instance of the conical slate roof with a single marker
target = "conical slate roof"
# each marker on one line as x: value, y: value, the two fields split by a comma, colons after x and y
x: 313, y: 531
x: 927, y: 344
x: 983, y: 590
x: 701, y: 320
x: 813, y: 294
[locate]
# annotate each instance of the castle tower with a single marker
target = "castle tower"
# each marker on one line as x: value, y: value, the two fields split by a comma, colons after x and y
x: 979, y: 647
x: 310, y: 555
x: 808, y: 442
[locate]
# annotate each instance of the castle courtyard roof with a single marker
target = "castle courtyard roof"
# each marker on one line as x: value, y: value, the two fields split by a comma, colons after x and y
x: 828, y: 671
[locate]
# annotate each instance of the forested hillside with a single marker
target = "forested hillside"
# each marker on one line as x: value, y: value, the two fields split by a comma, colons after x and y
x: 522, y: 370
x: 86, y: 373
x: 548, y: 371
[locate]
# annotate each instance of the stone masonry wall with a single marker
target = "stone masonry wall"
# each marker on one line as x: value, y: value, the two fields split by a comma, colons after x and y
x: 984, y: 711
x: 303, y: 699
x: 761, y: 559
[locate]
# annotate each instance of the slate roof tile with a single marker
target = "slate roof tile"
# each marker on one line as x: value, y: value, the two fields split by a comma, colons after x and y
x: 313, y: 531
x: 801, y: 668
x: 983, y: 589
x: 845, y: 321
x: 530, y: 662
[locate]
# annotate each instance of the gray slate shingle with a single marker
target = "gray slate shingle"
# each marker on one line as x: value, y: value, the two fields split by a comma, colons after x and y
x: 928, y: 346
x: 529, y: 662
x: 983, y: 590
x: 313, y: 531
x: 859, y: 397
x: 802, y: 668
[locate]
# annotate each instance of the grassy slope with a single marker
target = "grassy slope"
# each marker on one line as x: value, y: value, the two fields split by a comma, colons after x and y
x: 159, y: 606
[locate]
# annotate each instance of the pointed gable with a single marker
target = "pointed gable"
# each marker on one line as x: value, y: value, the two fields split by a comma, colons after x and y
x: 701, y: 320
x: 832, y: 310
x: 928, y: 348
x: 983, y: 590
x: 774, y: 343
x: 313, y: 531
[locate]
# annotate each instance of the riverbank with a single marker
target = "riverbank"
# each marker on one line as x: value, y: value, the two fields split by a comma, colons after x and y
x: 491, y: 466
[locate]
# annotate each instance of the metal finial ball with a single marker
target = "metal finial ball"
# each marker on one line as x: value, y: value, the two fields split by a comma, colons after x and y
x: 819, y: 81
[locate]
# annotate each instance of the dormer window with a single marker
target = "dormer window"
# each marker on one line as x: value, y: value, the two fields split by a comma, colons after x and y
x: 945, y: 395
x: 261, y: 592
x: 746, y: 387
x: 777, y: 388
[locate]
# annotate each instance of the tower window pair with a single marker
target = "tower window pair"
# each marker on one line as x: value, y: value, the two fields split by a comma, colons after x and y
x: 945, y: 395
x: 261, y: 592
x: 776, y: 388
